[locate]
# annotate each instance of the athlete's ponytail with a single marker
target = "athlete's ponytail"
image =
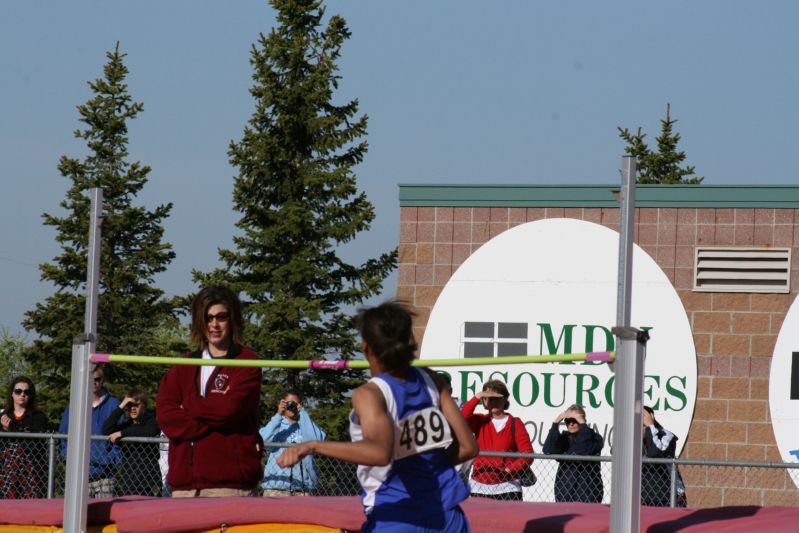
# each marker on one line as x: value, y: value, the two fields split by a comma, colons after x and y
x: 388, y: 330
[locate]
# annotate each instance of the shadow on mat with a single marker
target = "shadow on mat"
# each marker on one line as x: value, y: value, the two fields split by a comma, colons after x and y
x: 703, y: 516
x: 549, y: 524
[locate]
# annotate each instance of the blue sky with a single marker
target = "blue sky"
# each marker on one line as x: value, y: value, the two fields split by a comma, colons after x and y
x: 456, y: 92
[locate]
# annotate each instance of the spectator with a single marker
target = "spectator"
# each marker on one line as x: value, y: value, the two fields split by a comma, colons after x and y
x: 104, y: 456
x: 22, y: 460
x: 140, y: 472
x: 576, y: 481
x: 291, y: 424
x: 497, y: 431
x: 656, y: 478
x: 407, y: 477
x: 210, y: 413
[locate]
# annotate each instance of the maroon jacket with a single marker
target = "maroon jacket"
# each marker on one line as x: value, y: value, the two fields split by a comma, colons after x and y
x: 213, y: 440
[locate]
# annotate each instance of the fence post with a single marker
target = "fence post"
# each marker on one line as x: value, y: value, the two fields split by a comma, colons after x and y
x: 50, y: 468
x: 673, y: 485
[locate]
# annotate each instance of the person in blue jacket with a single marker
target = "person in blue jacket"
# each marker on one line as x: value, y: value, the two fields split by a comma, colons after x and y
x: 576, y: 481
x: 291, y: 425
x: 104, y: 456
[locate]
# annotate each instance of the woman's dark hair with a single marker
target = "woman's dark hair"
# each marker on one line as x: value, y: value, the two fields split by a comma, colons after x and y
x: 138, y: 395
x: 654, y: 420
x: 292, y: 392
x: 499, y: 387
x: 31, y: 407
x: 388, y: 331
x: 205, y: 299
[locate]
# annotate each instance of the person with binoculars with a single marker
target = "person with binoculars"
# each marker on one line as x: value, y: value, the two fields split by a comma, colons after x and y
x: 575, y: 481
x: 291, y: 425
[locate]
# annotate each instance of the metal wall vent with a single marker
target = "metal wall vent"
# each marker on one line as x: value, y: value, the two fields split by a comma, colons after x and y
x: 742, y: 269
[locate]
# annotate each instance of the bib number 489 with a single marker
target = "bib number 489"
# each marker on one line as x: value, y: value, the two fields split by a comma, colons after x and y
x: 422, y: 431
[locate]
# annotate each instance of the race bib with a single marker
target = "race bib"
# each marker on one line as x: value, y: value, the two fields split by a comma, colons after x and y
x: 422, y: 431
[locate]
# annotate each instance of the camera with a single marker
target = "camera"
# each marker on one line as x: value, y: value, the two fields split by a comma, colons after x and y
x: 291, y: 405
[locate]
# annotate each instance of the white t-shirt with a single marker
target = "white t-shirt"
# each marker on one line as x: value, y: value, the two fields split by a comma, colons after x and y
x: 499, y: 423
x: 205, y: 372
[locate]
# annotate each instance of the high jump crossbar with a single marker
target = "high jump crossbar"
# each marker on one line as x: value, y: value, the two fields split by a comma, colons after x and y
x: 321, y: 364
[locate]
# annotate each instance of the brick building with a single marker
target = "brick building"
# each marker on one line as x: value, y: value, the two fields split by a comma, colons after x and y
x: 735, y: 316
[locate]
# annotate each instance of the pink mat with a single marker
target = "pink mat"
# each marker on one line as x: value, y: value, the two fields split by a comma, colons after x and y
x: 139, y: 514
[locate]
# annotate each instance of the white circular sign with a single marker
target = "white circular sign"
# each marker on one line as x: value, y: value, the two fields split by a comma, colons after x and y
x: 549, y: 287
x: 783, y: 389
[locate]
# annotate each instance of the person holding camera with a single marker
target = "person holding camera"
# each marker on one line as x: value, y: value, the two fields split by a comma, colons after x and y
x: 497, y: 431
x: 291, y: 425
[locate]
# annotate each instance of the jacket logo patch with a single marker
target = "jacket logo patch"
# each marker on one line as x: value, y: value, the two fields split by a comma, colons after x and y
x: 221, y: 384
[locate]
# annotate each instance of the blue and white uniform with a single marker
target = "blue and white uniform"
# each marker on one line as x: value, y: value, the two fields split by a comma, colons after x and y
x: 420, y: 489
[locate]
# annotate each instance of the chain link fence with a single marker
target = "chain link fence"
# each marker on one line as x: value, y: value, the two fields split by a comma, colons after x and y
x: 32, y: 466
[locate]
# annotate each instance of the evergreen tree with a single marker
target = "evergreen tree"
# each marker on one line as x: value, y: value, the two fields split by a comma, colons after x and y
x: 663, y: 166
x: 12, y: 358
x: 130, y: 307
x: 298, y: 199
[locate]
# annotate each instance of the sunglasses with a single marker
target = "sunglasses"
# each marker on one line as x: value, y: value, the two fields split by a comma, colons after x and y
x: 569, y: 421
x: 20, y: 392
x: 219, y: 317
x: 98, y: 380
x: 132, y: 405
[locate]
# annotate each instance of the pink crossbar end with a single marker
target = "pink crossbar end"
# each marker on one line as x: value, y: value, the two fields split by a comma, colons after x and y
x: 598, y: 356
x: 327, y: 364
x: 101, y: 358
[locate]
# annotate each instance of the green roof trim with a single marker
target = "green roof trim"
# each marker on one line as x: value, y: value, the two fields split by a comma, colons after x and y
x: 707, y: 196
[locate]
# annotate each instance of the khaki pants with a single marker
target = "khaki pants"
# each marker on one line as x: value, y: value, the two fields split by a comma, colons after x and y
x: 211, y: 493
x: 101, y: 488
x: 277, y: 492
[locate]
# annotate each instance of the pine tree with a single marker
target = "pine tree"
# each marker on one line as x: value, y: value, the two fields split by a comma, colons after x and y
x: 297, y: 195
x: 663, y: 166
x: 12, y: 357
x: 130, y: 307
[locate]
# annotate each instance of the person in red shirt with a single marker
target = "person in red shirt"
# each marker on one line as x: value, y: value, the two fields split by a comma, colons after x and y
x: 497, y: 431
x: 210, y: 413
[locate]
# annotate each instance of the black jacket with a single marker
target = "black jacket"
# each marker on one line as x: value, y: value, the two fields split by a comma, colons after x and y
x: 656, y: 478
x: 147, y: 427
x: 141, y: 473
x: 576, y: 481
x: 33, y: 422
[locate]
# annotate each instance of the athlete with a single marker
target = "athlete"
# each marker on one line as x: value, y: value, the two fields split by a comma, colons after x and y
x: 407, y: 433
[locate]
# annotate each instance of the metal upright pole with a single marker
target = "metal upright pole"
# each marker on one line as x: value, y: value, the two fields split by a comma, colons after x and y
x: 76, y: 493
x: 626, y: 235
x: 625, y: 499
x: 93, y: 268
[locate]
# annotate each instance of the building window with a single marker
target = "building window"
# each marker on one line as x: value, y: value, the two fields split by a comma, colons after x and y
x: 494, y: 339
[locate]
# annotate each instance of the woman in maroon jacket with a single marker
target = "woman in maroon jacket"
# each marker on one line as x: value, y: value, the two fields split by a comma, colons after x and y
x: 210, y: 414
x: 497, y: 431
